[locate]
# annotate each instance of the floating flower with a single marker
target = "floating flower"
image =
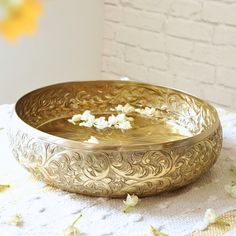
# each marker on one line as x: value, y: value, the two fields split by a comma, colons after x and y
x: 127, y: 108
x: 16, y: 220
x: 92, y: 140
x: 3, y: 187
x: 120, y: 121
x: 18, y: 16
x: 157, y: 232
x: 75, y: 119
x: 101, y: 123
x: 130, y: 202
x: 124, y: 125
x: 71, y: 230
x: 87, y: 116
x: 147, y: 111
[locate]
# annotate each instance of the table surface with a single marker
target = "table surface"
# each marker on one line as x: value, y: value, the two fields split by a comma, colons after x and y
x: 46, y: 212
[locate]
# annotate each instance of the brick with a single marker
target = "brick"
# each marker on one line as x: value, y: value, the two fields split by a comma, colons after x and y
x: 189, y: 29
x: 111, y: 2
x: 193, y: 70
x: 213, y: 11
x: 114, y: 65
x: 152, y: 41
x: 109, y: 76
x: 143, y: 20
x: 105, y: 64
x: 173, y: 43
x: 226, y: 77
x: 179, y: 47
x: 109, y: 30
x: 225, y: 35
x: 112, y: 48
x: 206, y: 53
x: 133, y: 55
x: 163, y: 78
x: 128, y: 36
x: 224, y: 56
x: 155, y: 60
x: 228, y: 57
x: 185, y: 8
x: 135, y: 72
x: 161, y: 6
x: 112, y: 13
x: 148, y: 59
x: 188, y: 86
x: 217, y: 94
x: 217, y: 12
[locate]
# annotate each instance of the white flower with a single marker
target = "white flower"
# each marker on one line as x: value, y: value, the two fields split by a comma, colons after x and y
x: 147, y: 111
x: 101, y: 123
x: 89, y: 122
x: 121, y: 117
x: 92, y: 140
x: 72, y: 231
x: 75, y: 118
x: 125, y: 78
x: 86, y: 116
x: 210, y: 216
x: 127, y: 108
x: 124, y: 125
x: 112, y: 120
x: 121, y: 121
x: 16, y: 220
x: 231, y: 190
x: 233, y: 168
x: 131, y: 201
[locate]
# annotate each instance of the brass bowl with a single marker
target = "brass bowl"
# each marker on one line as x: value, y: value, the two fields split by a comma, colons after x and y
x: 160, y: 153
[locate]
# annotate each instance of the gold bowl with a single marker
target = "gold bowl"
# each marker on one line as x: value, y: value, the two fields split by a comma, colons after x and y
x: 159, y: 153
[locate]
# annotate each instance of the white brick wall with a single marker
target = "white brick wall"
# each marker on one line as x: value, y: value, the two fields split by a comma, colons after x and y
x: 185, y: 44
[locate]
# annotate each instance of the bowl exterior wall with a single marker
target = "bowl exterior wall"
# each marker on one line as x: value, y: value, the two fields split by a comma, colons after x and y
x: 113, y: 173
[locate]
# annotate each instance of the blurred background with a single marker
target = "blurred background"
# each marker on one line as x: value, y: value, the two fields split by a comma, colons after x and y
x: 66, y: 46
x: 186, y: 44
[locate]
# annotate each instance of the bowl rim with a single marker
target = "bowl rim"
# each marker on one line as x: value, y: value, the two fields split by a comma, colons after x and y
x: 68, y: 143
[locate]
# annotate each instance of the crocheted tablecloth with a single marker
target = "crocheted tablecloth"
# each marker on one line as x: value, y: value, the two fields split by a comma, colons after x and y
x: 46, y: 211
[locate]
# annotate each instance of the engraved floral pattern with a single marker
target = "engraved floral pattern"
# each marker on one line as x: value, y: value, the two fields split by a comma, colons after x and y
x: 110, y: 172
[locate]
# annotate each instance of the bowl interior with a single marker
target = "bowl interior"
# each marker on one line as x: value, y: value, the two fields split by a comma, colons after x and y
x: 179, y: 115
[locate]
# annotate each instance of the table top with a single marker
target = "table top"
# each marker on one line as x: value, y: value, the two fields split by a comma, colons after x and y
x: 47, y: 211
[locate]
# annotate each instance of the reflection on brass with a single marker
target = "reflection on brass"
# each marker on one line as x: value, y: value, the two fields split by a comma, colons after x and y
x: 160, y: 153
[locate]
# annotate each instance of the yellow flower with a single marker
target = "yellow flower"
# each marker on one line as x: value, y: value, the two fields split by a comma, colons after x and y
x: 3, y: 187
x: 130, y: 202
x: 19, y: 17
